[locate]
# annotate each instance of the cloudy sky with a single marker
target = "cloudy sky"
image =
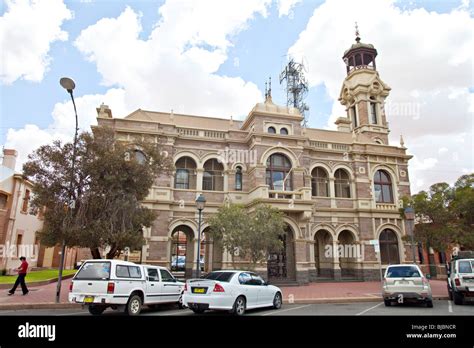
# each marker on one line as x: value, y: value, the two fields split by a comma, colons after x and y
x: 213, y: 58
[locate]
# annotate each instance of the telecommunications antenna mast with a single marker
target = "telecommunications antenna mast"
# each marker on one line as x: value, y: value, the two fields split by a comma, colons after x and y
x: 296, y: 87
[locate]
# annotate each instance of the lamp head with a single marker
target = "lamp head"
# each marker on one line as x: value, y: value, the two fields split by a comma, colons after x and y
x: 409, y: 213
x: 200, y: 202
x: 67, y: 83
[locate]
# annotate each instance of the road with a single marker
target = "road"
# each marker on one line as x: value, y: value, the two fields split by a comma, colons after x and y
x: 441, y: 307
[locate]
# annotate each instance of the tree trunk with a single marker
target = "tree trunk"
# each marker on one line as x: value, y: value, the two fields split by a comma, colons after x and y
x: 95, y: 253
x: 113, y: 251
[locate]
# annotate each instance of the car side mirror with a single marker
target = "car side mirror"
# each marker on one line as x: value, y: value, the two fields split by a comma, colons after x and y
x: 148, y: 279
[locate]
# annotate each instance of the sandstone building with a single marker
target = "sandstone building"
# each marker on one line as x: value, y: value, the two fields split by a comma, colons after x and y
x: 336, y: 188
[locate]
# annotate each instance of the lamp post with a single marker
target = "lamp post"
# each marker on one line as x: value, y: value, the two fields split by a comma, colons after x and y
x: 200, y: 204
x: 69, y: 85
x: 410, y: 217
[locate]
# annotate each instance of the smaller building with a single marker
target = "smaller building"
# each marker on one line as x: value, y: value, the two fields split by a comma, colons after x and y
x: 18, y: 222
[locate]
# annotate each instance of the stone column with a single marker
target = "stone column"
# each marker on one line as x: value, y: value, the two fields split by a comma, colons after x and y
x: 332, y: 192
x: 336, y: 268
x: 199, y: 175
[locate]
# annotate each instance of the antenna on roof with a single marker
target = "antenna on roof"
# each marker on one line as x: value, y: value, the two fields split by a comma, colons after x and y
x: 270, y: 87
x: 296, y: 87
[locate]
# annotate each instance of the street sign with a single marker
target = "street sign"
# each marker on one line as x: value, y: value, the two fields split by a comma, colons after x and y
x: 375, y: 243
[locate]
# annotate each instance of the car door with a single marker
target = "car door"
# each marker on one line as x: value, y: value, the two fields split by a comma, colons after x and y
x: 170, y: 289
x: 265, y: 295
x: 248, y: 289
x: 153, y: 285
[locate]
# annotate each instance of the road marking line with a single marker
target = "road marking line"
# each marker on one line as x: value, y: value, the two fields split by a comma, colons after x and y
x: 450, y: 306
x: 368, y: 309
x: 286, y: 310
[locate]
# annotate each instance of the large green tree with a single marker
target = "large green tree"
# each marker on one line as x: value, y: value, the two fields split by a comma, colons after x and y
x: 111, y: 178
x: 445, y: 214
x: 252, y: 235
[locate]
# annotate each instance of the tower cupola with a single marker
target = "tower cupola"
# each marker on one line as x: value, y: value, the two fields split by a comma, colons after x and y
x: 360, y: 55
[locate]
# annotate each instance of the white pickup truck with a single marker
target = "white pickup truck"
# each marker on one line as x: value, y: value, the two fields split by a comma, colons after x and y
x: 123, y: 285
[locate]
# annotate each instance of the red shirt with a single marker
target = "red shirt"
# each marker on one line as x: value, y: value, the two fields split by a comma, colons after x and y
x: 23, y: 267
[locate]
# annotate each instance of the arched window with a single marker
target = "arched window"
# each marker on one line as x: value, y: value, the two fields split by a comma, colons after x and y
x: 271, y: 130
x: 278, y: 170
x: 185, y: 177
x: 238, y: 179
x: 140, y: 157
x: 342, y: 184
x: 373, y: 112
x: 213, y: 177
x: 389, y: 247
x: 319, y: 182
x: 383, y: 187
x: 284, y: 131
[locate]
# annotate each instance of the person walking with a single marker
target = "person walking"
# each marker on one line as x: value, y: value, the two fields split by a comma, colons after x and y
x: 22, y: 270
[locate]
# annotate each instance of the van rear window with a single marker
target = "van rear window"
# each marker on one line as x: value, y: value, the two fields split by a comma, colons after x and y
x: 94, y: 270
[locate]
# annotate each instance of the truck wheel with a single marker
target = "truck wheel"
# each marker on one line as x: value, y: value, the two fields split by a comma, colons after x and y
x: 387, y: 303
x: 134, y: 305
x: 96, y: 310
x: 180, y: 302
x: 429, y: 303
x: 458, y: 298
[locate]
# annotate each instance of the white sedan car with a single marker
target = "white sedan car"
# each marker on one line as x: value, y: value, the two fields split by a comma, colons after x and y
x: 230, y: 290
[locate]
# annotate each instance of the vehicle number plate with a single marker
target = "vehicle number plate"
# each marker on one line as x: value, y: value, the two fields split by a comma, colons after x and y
x: 402, y: 282
x: 199, y: 290
x: 88, y: 299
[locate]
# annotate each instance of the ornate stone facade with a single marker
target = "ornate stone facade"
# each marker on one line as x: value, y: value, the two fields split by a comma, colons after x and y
x: 337, y: 188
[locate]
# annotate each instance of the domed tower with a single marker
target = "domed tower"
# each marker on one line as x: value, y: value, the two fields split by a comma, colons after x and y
x: 363, y: 93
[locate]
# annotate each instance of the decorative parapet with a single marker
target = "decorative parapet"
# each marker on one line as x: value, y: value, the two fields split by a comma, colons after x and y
x: 196, y: 133
x: 329, y: 146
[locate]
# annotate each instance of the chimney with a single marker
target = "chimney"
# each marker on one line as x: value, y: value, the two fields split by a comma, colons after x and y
x: 104, y: 111
x: 9, y: 158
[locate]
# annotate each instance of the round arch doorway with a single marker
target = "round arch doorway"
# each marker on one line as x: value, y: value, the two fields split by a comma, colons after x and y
x: 281, y: 265
x: 182, y: 251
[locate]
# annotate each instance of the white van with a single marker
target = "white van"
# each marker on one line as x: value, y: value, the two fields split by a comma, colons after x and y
x: 123, y: 285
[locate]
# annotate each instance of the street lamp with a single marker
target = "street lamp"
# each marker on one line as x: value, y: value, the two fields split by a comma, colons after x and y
x: 69, y: 85
x: 410, y: 217
x: 200, y: 204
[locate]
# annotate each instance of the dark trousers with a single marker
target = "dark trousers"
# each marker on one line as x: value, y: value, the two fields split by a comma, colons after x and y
x: 20, y: 280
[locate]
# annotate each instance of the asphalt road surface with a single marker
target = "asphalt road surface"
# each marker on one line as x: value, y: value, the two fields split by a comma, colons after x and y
x: 441, y: 307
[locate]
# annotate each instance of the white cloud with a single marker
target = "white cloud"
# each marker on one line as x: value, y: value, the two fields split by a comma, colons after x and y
x: 285, y: 7
x: 27, y: 30
x: 176, y: 67
x: 426, y: 57
x: 29, y: 138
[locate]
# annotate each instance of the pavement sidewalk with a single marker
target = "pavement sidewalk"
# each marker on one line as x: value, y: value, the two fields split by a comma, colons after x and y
x: 332, y: 292
x: 343, y: 292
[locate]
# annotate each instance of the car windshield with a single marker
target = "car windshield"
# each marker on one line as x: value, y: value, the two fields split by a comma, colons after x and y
x: 403, y: 272
x: 94, y: 270
x: 220, y: 276
x: 466, y: 266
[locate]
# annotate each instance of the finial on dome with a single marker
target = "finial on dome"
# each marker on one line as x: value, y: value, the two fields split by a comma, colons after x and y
x: 402, y: 142
x: 357, y: 32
